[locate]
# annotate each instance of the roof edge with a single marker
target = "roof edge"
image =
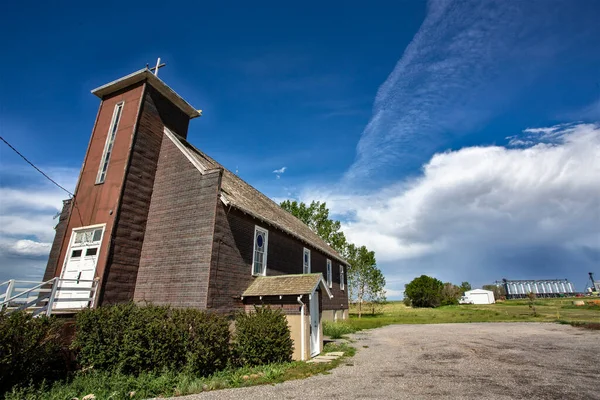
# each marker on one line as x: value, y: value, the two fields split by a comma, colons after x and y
x: 275, y: 225
x: 155, y: 82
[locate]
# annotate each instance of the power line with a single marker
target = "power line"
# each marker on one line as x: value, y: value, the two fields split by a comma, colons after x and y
x: 45, y: 175
x: 33, y: 165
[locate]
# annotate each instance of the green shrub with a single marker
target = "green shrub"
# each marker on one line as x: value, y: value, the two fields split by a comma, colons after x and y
x: 31, y: 350
x: 133, y: 339
x: 424, y: 291
x: 262, y: 337
x: 335, y: 330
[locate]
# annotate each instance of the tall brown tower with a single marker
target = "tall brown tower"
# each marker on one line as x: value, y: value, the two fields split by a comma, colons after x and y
x: 101, y: 232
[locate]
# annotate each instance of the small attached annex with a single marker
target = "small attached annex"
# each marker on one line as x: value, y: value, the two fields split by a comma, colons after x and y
x: 154, y: 219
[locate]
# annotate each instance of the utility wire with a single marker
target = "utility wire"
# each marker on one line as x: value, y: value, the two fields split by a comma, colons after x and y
x: 33, y: 165
x: 46, y: 176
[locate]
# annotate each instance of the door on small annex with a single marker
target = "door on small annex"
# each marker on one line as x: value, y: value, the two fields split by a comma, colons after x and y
x: 315, y: 336
x: 80, y: 269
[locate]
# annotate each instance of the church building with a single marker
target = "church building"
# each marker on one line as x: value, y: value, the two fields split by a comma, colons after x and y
x: 155, y: 220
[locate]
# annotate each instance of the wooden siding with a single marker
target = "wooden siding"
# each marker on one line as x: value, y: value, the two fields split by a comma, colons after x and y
x: 175, y: 259
x: 232, y: 260
x: 130, y: 226
x: 97, y: 204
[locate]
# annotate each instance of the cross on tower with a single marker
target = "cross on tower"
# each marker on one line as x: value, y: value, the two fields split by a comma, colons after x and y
x: 158, y: 65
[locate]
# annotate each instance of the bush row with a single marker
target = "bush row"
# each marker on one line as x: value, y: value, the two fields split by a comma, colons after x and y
x: 31, y: 350
x: 130, y: 339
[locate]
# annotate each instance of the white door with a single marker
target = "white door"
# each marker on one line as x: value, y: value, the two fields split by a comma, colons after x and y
x: 80, y: 268
x: 315, y: 345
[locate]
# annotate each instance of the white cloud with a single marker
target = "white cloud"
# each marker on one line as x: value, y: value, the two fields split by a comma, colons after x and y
x: 28, y: 248
x: 464, y: 65
x: 28, y: 207
x: 279, y: 172
x: 483, y: 213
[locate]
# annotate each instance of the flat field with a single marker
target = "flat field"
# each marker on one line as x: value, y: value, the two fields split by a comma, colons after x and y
x: 547, y: 310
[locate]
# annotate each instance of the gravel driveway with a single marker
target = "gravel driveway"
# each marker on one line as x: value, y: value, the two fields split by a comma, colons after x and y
x: 454, y: 361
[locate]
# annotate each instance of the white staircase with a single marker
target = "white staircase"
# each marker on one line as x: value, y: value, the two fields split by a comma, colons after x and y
x: 51, y: 297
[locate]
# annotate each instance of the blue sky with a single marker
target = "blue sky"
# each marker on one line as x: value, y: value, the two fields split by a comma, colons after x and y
x: 456, y: 139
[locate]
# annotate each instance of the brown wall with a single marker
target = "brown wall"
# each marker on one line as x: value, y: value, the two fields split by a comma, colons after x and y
x: 130, y: 226
x: 94, y: 203
x: 176, y: 253
x: 233, y: 250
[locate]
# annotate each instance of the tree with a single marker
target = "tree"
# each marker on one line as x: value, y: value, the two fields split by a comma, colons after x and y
x: 375, y: 293
x: 450, y: 294
x: 365, y: 281
x: 316, y: 216
x: 499, y: 291
x: 424, y: 291
x: 465, y: 287
x: 531, y: 302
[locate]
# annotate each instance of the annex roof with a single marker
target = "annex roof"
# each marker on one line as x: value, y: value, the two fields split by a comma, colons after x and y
x: 241, y: 195
x: 283, y: 285
x: 155, y: 81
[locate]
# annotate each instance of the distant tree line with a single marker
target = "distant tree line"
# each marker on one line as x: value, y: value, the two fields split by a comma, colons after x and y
x: 365, y: 281
x: 426, y: 291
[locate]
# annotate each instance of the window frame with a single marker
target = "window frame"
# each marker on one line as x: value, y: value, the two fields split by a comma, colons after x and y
x: 342, y: 276
x: 306, y: 270
x: 263, y: 271
x: 110, y: 141
x: 329, y: 274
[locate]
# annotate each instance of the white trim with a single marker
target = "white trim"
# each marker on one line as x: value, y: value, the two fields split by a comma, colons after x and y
x: 315, y: 315
x: 224, y: 199
x: 110, y: 141
x: 329, y: 274
x: 342, y: 276
x: 321, y: 282
x: 264, y: 266
x: 72, y: 240
x: 306, y: 270
x: 185, y: 151
x: 303, y: 329
x: 155, y: 82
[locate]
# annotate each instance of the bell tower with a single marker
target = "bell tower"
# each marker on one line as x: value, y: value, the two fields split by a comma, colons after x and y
x: 103, y: 230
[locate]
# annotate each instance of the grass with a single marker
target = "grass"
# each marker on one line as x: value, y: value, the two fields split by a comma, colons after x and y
x: 336, y: 330
x: 548, y: 310
x: 116, y: 386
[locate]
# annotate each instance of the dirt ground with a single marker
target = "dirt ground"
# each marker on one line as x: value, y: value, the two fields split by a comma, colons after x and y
x: 454, y: 361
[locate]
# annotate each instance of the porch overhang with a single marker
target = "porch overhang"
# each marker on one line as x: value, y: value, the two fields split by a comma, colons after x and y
x: 287, y: 285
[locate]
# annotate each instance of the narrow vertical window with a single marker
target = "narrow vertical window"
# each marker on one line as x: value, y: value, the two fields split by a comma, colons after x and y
x: 110, y: 140
x: 342, y: 277
x: 259, y: 264
x: 329, y: 280
x: 306, y: 267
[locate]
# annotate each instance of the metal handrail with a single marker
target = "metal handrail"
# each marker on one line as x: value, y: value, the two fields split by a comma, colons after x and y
x: 48, y: 296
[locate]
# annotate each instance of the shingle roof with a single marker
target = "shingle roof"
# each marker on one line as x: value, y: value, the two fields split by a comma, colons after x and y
x: 244, y: 197
x: 285, y: 285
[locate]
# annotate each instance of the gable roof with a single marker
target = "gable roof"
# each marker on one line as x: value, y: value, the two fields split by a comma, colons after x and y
x: 283, y: 285
x: 239, y: 194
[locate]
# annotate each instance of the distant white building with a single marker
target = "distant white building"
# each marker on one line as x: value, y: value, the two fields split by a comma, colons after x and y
x: 480, y: 296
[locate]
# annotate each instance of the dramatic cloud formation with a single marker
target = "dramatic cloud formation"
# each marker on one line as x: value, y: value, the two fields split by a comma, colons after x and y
x: 466, y: 62
x: 488, y: 212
